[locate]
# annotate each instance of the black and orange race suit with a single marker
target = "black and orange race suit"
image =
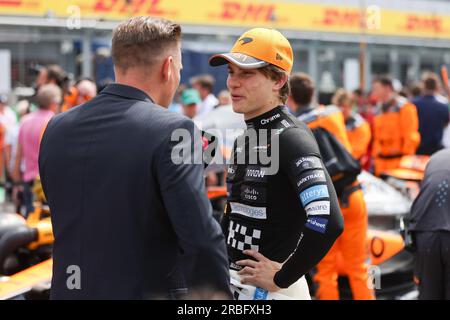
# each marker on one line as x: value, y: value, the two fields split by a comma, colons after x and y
x: 289, y: 214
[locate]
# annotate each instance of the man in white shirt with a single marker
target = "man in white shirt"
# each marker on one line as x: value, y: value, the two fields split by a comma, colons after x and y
x: 8, y: 117
x: 204, y: 84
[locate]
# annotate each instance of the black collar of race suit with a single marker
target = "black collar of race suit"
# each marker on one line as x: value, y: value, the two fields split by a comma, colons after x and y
x: 125, y: 91
x: 266, y: 119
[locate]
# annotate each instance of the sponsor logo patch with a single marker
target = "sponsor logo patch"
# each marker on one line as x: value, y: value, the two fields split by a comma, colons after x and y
x: 255, y: 174
x: 311, y: 177
x: 285, y: 123
x: 318, y: 208
x: 317, y: 224
x: 253, y: 194
x: 279, y: 131
x: 260, y: 294
x: 245, y: 40
x: 231, y: 172
x: 234, y: 266
x: 306, y: 163
x: 269, y: 120
x: 248, y: 211
x: 313, y: 193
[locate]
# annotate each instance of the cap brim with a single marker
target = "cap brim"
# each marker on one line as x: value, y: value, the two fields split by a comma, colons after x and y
x: 241, y: 60
x: 190, y: 101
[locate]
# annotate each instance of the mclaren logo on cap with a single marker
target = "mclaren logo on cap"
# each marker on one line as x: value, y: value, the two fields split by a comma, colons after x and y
x: 278, y: 57
x: 245, y: 40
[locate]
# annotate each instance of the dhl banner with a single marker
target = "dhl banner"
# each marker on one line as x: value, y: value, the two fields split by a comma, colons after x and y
x: 302, y: 16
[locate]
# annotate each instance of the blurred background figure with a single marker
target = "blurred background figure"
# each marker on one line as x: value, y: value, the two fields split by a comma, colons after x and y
x: 396, y: 126
x: 54, y: 74
x: 8, y: 123
x: 359, y: 100
x: 11, y: 144
x: 416, y: 90
x: 190, y: 100
x: 433, y: 113
x: 8, y: 117
x: 301, y: 99
x: 30, y: 132
x: 204, y: 84
x: 430, y: 225
x: 51, y: 74
x: 222, y: 118
x: 226, y: 124
x: 42, y: 77
x: 176, y: 106
x: 86, y: 90
x: 358, y: 129
x: 363, y: 106
x: 224, y: 98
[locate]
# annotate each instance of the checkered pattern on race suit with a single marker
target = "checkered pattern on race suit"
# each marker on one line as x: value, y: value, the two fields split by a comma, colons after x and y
x: 243, y: 237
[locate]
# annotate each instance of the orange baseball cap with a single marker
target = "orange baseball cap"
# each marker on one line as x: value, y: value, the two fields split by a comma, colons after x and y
x: 257, y: 48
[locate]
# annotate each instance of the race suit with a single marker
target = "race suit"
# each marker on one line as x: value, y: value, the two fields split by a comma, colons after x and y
x: 291, y: 216
x: 396, y: 133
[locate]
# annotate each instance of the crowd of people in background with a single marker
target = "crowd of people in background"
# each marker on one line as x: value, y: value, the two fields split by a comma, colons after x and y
x: 373, y: 119
x: 379, y: 127
x: 22, y: 126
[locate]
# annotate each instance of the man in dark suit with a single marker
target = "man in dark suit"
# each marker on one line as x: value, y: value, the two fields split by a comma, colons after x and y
x: 130, y: 223
x: 433, y: 113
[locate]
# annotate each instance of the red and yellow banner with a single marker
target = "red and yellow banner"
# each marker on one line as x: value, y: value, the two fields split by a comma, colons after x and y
x: 247, y: 13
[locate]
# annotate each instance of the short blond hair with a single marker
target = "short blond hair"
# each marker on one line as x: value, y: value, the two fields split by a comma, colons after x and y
x: 47, y: 95
x: 87, y: 87
x: 341, y: 97
x: 139, y: 40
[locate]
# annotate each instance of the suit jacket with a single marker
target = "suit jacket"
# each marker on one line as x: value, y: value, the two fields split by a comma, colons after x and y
x: 134, y: 224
